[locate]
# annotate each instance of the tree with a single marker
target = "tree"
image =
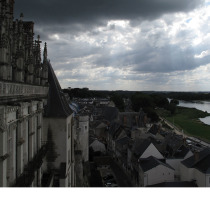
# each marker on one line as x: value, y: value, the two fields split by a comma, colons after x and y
x: 172, y: 108
x: 174, y: 101
x: 151, y: 114
x: 118, y: 100
x: 140, y: 100
x: 160, y: 101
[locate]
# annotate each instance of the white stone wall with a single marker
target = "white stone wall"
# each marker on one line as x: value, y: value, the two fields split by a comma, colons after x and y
x: 186, y: 174
x: 83, y: 140
x: 158, y: 174
x: 61, y: 129
x: 207, y: 179
x: 175, y: 163
x: 189, y: 174
x: 58, y: 127
x: 200, y: 178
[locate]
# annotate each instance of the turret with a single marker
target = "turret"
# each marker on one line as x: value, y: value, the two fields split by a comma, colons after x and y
x: 45, y: 66
x: 45, y: 52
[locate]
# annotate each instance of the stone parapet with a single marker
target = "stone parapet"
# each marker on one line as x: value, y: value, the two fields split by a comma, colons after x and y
x: 8, y: 89
x: 15, y: 92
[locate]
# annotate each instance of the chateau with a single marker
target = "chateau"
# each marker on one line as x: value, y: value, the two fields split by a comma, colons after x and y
x: 37, y: 132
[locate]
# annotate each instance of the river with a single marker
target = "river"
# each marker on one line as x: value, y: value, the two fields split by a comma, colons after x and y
x: 200, y: 105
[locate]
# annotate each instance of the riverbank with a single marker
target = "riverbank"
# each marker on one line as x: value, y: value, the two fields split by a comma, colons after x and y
x: 187, y: 119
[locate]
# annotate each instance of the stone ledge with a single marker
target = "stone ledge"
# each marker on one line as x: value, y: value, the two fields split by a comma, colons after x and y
x: 8, y: 89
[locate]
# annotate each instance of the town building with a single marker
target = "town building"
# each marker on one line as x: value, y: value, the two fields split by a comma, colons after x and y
x: 153, y: 171
x: 197, y: 168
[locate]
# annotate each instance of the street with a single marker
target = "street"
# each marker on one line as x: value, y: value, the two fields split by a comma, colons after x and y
x: 121, y: 177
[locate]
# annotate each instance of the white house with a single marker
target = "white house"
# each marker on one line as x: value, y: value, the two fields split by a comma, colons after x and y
x: 100, y: 128
x: 153, y: 171
x: 181, y: 154
x: 98, y: 146
x: 197, y: 168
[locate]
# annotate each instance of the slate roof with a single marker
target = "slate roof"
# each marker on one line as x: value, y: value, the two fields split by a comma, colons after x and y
x: 174, y: 141
x: 123, y: 140
x: 140, y: 149
x: 202, y: 163
x: 181, y: 152
x: 174, y: 184
x: 152, y: 162
x: 140, y: 146
x: 110, y: 113
x: 154, y: 129
x: 132, y: 119
x: 113, y: 128
x: 99, y: 124
x: 57, y: 105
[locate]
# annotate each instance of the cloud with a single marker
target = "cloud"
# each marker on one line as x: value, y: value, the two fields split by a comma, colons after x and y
x: 123, y: 44
x: 203, y: 54
x: 88, y: 12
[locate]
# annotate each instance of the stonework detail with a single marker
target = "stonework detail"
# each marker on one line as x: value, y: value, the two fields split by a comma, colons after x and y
x: 20, y: 54
x: 15, y: 89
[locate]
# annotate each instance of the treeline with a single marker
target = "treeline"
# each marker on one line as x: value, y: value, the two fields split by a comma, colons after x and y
x: 85, y: 93
x: 149, y: 103
x: 189, y: 96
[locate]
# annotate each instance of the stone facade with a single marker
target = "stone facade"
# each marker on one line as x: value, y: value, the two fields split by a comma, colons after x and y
x: 41, y: 143
x: 23, y: 94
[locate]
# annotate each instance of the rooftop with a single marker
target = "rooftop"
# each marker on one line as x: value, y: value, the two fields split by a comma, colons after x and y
x: 57, y: 105
x: 152, y: 162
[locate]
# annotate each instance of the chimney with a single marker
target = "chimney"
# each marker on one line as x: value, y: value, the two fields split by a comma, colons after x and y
x: 196, y: 156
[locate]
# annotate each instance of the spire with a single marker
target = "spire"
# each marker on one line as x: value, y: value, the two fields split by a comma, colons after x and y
x: 21, y: 16
x: 45, y: 51
x: 38, y: 40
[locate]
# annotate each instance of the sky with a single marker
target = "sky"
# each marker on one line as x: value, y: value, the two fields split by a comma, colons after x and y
x: 138, y: 45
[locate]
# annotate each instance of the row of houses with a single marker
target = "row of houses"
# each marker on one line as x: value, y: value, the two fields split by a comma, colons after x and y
x: 150, y: 155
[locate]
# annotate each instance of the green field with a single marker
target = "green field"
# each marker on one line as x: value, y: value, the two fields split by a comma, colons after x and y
x: 187, y: 119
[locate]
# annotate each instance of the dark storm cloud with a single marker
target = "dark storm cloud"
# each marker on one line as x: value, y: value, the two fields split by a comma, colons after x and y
x: 154, y: 46
x: 145, y: 58
x: 95, y: 11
